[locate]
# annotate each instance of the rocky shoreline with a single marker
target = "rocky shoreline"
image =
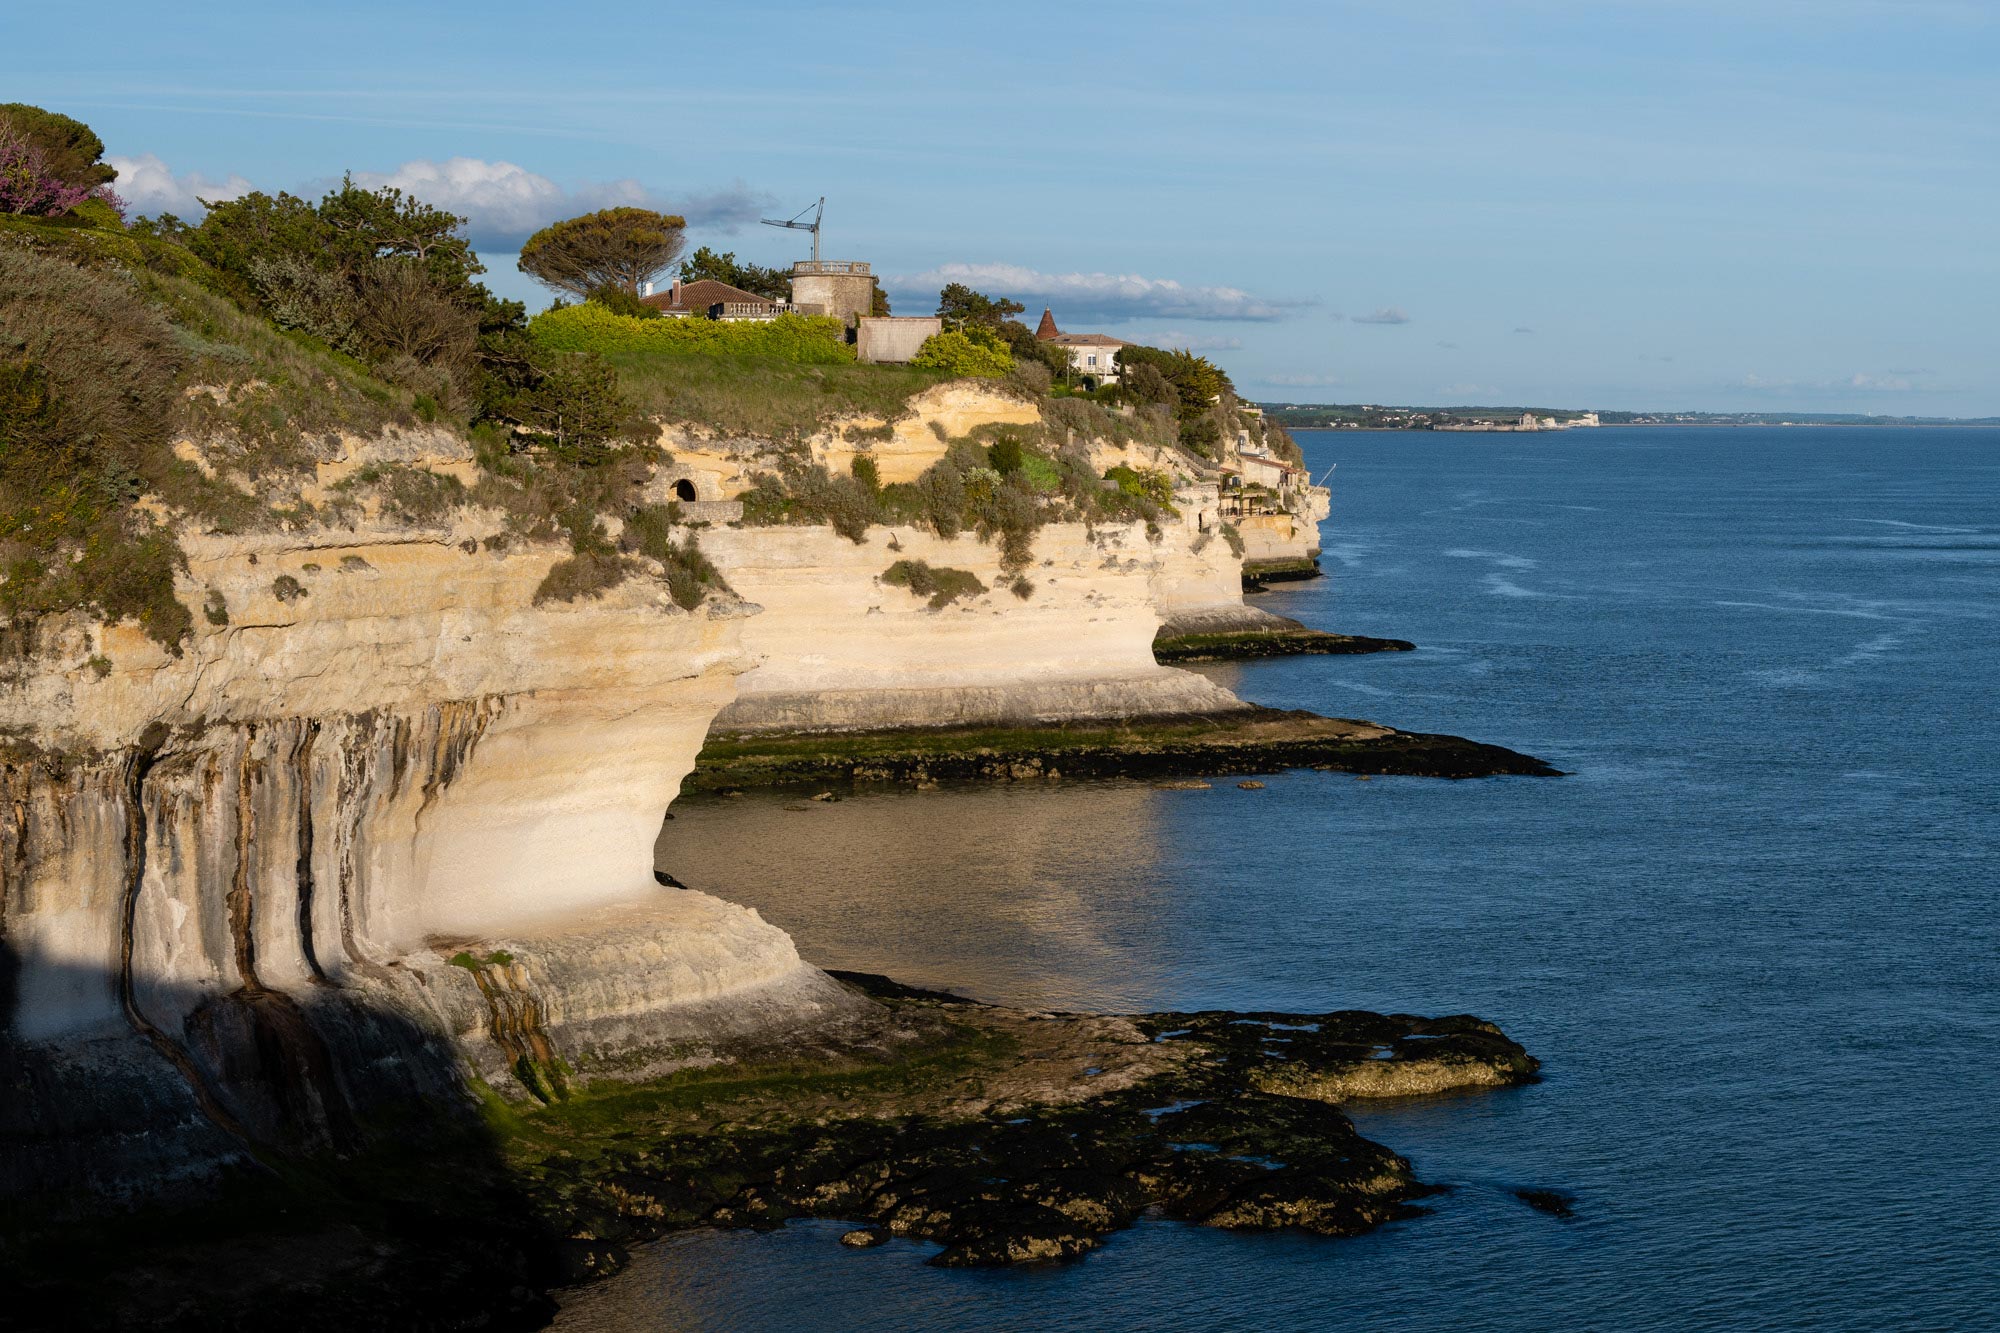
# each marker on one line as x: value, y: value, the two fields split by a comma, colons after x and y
x: 1235, y: 645
x: 1003, y: 1136
x: 1248, y: 740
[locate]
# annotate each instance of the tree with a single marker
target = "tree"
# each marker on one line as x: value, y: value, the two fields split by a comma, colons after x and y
x: 28, y: 186
x: 388, y: 224
x: 879, y: 303
x: 1197, y: 381
x: 959, y: 305
x: 617, y: 246
x: 69, y: 148
x: 770, y: 283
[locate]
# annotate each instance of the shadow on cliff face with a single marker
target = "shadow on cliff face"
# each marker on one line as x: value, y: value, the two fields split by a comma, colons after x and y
x: 284, y: 1160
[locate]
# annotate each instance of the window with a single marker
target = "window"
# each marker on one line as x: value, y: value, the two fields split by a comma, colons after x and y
x: 1092, y: 358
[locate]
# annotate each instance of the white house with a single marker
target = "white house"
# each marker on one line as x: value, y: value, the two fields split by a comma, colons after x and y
x: 1091, y: 355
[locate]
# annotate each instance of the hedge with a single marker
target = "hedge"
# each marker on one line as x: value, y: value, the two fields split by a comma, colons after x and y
x: 805, y: 339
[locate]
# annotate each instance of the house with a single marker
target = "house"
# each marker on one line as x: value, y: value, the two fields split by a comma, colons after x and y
x: 705, y: 298
x: 1091, y: 355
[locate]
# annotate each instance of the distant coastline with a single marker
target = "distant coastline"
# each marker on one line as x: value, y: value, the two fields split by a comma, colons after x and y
x: 1371, y: 416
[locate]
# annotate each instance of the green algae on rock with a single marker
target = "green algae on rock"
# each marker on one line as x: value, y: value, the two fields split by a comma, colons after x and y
x: 1236, y: 644
x: 1249, y: 740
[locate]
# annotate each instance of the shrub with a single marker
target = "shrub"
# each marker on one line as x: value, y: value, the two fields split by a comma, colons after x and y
x: 810, y: 494
x: 1143, y: 483
x: 689, y: 573
x: 414, y: 495
x: 1202, y: 436
x: 866, y: 472
x: 287, y: 589
x: 623, y: 301
x: 587, y: 575
x: 958, y: 352
x: 941, y: 584
x: 590, y: 327
x: 88, y: 397
x: 1232, y: 535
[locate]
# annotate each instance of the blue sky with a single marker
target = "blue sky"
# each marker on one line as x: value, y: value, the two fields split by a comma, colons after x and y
x: 1760, y: 204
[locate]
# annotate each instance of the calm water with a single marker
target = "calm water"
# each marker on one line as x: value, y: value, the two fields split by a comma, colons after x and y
x: 1753, y: 938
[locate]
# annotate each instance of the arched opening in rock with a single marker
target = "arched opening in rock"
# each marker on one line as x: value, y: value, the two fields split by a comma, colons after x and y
x: 684, y: 489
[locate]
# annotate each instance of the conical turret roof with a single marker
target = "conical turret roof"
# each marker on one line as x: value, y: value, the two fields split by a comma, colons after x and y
x: 1047, y: 328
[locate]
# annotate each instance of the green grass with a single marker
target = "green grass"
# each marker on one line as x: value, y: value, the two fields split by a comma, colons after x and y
x: 776, y: 400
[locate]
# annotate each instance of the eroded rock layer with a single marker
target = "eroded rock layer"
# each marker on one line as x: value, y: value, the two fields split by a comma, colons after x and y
x: 840, y: 646
x: 382, y: 814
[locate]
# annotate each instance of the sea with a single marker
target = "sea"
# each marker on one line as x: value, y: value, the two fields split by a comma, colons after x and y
x: 1753, y: 936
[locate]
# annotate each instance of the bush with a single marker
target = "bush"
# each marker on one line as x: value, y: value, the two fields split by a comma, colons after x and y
x: 1143, y: 483
x: 958, y: 352
x: 689, y: 573
x: 414, y: 495
x: 624, y: 301
x: 588, y: 575
x: 590, y: 327
x: 942, y: 584
x: 88, y: 396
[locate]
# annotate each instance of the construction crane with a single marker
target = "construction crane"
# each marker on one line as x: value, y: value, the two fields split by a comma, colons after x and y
x: 794, y: 224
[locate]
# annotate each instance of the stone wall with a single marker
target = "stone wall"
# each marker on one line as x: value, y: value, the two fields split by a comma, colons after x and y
x: 893, y: 339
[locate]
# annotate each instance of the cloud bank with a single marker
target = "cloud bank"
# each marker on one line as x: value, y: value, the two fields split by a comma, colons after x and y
x: 150, y: 187
x: 1109, y: 297
x: 504, y: 204
x: 1894, y: 381
x: 1302, y: 381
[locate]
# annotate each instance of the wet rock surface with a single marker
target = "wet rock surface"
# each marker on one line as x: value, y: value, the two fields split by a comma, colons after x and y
x: 1235, y: 645
x: 1249, y: 740
x: 1002, y: 1136
x: 1010, y: 1138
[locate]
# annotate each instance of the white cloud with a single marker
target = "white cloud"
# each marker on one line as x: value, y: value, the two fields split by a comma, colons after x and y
x: 1109, y: 297
x: 150, y: 187
x: 1858, y: 382
x: 1388, y: 314
x: 504, y: 204
x: 1193, y: 342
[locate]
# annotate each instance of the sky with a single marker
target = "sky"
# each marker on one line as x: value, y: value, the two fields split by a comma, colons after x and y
x: 1771, y: 205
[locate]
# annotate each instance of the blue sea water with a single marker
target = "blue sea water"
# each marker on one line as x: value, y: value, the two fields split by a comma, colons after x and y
x: 1753, y: 937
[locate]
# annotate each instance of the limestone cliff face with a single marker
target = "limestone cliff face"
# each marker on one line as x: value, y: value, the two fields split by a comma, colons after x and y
x: 233, y: 882
x: 839, y: 648
x: 720, y: 467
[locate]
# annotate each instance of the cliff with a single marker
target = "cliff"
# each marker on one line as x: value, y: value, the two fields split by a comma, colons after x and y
x: 382, y: 814
x: 839, y: 647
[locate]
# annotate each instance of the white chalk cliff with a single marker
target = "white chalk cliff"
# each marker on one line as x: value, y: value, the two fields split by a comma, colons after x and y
x: 388, y: 817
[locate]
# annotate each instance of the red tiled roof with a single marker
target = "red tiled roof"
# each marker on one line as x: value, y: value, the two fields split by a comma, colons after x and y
x: 1047, y: 328
x: 701, y: 294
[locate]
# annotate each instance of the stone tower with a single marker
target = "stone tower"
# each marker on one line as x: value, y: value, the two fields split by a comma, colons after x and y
x: 837, y: 287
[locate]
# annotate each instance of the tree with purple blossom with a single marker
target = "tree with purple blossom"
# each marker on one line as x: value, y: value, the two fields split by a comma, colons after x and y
x: 28, y: 187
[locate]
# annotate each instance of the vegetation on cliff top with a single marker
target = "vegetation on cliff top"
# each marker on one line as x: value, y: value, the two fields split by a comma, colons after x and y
x: 1004, y: 491
x: 164, y: 371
